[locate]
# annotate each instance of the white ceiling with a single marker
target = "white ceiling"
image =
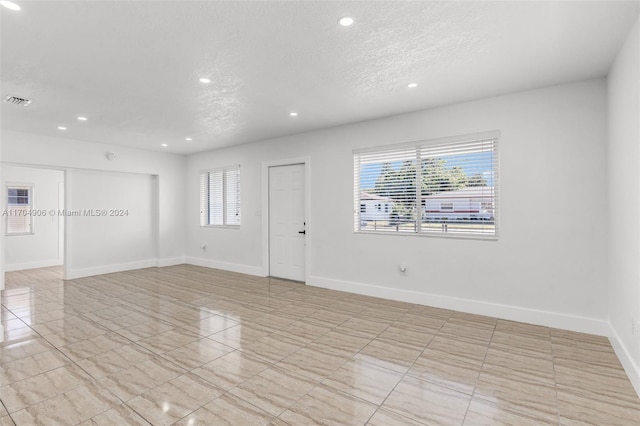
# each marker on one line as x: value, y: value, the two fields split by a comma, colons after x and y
x: 132, y: 67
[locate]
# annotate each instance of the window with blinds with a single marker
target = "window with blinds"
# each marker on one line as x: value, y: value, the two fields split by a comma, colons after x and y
x: 19, y: 218
x: 446, y: 187
x: 220, y: 197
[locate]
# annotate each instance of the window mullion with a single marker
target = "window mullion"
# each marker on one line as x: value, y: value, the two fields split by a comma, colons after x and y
x: 418, y: 201
x: 224, y: 197
x: 358, y: 194
x: 208, y: 197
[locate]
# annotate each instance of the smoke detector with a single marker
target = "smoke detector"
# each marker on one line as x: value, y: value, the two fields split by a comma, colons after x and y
x: 17, y: 101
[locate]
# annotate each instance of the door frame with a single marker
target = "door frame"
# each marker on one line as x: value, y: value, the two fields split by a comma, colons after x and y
x: 306, y: 161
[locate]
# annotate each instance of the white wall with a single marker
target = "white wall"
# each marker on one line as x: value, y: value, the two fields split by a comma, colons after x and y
x: 41, y: 248
x: 115, y: 227
x: 2, y: 231
x: 549, y: 270
x: 68, y: 154
x: 624, y: 202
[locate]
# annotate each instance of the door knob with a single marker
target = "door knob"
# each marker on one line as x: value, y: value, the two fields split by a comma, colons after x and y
x: 302, y: 232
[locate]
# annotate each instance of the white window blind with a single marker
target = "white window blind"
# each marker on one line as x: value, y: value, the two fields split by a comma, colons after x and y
x: 220, y: 197
x: 444, y: 187
x: 19, y: 219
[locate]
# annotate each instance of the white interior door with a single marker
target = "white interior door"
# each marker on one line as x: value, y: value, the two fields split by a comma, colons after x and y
x: 287, y: 222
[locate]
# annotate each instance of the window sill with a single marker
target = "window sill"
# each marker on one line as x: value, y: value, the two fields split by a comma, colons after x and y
x: 453, y: 236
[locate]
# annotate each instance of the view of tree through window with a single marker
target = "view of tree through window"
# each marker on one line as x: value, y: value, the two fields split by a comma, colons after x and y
x: 432, y: 187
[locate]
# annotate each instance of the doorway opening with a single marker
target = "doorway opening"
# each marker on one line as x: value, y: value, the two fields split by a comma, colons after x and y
x: 33, y: 219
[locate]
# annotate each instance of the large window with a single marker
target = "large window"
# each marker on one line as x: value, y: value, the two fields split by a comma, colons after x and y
x: 439, y: 187
x: 220, y: 197
x: 19, y: 218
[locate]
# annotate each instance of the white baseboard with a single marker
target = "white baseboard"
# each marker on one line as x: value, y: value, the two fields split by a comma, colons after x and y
x: 31, y: 265
x: 630, y: 366
x: 107, y: 269
x: 508, y: 312
x: 171, y: 261
x: 233, y: 267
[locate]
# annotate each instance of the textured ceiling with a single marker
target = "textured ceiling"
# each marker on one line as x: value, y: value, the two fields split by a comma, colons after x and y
x: 132, y: 67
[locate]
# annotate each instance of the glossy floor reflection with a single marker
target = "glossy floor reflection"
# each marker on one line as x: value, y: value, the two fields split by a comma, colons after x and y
x: 194, y: 346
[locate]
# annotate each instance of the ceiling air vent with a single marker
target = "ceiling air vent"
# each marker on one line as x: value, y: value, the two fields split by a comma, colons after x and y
x: 17, y: 101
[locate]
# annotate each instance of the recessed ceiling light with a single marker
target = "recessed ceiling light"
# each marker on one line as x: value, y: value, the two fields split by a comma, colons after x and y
x: 164, y: 144
x: 345, y: 21
x: 205, y: 80
x: 62, y: 128
x: 293, y: 114
x: 188, y: 139
x: 412, y: 85
x: 10, y: 5
x: 82, y: 118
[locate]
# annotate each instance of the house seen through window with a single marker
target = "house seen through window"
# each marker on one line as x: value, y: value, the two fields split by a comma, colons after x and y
x: 434, y: 187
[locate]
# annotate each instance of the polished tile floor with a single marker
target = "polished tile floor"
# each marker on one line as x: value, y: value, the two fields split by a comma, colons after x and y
x: 194, y: 346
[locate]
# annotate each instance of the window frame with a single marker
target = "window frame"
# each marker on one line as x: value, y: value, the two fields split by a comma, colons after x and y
x: 494, y: 136
x: 205, y: 202
x: 28, y: 207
